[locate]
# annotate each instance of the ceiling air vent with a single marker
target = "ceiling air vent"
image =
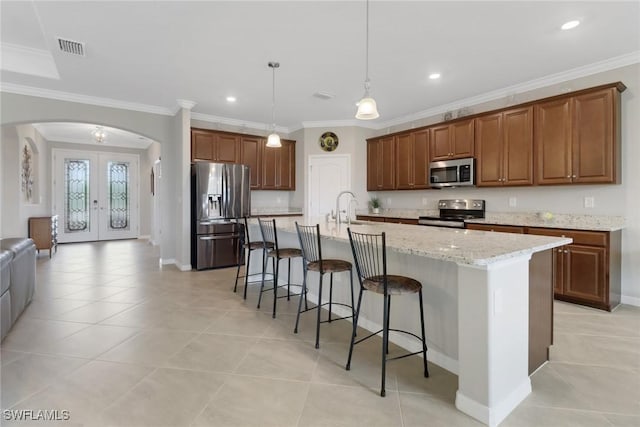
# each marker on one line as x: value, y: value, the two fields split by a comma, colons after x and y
x: 323, y: 95
x: 70, y: 46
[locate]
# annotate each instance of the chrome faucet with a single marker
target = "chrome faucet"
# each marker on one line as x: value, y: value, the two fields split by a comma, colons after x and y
x: 338, y: 205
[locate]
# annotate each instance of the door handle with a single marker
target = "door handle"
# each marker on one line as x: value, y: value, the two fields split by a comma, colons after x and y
x: 220, y: 237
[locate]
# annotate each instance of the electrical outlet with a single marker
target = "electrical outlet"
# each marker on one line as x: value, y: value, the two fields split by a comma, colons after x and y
x: 513, y: 202
x: 589, y: 202
x: 278, y: 200
x: 425, y: 201
x: 388, y: 201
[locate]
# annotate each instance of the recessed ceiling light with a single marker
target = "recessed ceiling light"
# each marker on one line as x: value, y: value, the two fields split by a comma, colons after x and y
x: 434, y: 76
x: 231, y: 99
x: 569, y: 25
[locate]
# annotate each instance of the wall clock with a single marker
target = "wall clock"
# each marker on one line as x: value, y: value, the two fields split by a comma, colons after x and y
x: 328, y: 141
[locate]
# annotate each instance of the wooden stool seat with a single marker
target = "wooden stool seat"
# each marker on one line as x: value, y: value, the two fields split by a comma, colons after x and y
x: 285, y: 253
x: 258, y: 245
x: 330, y: 266
x: 396, y: 285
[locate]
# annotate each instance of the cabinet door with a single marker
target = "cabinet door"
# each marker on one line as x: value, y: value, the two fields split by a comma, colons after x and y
x: 490, y: 151
x: 439, y: 145
x: 462, y: 139
x: 202, y: 145
x: 374, y: 173
x: 227, y: 148
x: 421, y: 159
x: 494, y: 227
x: 405, y: 161
x: 586, y: 273
x: 593, y: 137
x: 558, y: 270
x: 286, y: 179
x: 388, y: 163
x: 251, y: 155
x: 269, y: 167
x: 518, y: 147
x: 553, y: 142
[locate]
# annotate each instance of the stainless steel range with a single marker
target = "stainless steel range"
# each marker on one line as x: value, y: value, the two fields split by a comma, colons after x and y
x: 454, y: 212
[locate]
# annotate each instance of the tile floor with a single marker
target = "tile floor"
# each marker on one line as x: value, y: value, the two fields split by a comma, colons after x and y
x: 118, y: 341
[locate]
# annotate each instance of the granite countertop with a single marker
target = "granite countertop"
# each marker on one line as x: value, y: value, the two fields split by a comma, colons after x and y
x: 460, y: 246
x: 523, y: 219
x: 276, y: 211
x: 551, y: 220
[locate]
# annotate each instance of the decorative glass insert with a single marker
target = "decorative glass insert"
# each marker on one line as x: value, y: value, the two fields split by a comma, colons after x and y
x: 118, y: 182
x: 76, y: 195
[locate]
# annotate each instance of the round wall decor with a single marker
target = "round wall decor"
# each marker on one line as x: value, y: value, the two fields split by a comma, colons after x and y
x: 328, y: 141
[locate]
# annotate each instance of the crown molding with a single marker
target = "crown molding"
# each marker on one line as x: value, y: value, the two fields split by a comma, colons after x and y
x: 185, y: 103
x: 339, y: 123
x: 83, y: 99
x: 28, y: 60
x: 237, y: 123
x: 564, y: 76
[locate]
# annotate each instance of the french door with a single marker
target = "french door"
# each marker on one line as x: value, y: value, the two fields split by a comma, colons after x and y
x: 95, y: 195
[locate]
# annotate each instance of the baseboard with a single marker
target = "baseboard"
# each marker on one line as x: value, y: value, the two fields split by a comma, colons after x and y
x: 400, y: 340
x: 145, y: 237
x: 630, y: 300
x: 493, y: 417
x: 183, y: 267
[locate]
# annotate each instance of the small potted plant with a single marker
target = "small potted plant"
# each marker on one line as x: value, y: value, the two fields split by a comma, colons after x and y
x: 374, y: 204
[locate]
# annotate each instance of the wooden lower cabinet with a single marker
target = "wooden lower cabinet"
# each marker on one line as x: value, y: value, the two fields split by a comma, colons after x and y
x: 370, y: 218
x: 392, y: 220
x: 587, y: 271
x: 495, y: 227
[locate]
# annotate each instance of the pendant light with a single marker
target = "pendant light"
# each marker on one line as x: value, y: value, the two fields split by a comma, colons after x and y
x: 367, y: 109
x: 273, y: 140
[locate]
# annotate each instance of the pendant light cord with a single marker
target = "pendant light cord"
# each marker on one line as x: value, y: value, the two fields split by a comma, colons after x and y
x: 273, y: 99
x: 366, y: 65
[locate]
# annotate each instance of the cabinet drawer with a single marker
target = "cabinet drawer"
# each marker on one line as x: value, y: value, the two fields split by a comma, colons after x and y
x: 498, y: 228
x: 591, y: 238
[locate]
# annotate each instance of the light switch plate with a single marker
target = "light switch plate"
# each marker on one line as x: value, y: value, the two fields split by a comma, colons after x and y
x: 425, y: 201
x: 513, y: 202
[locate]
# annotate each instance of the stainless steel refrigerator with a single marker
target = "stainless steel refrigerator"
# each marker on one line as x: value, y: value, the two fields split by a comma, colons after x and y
x: 220, y: 194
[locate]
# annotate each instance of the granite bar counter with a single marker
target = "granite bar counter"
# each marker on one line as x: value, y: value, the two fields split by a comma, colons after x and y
x: 476, y: 297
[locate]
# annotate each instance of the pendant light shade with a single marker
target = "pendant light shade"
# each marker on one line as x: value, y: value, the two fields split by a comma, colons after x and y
x: 367, y: 107
x: 273, y: 140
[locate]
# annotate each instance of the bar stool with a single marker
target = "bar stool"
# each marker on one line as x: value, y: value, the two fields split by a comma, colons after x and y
x: 309, y: 236
x: 276, y: 253
x: 249, y: 246
x: 370, y: 255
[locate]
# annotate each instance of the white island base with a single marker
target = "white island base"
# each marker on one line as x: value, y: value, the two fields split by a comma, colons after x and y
x: 476, y: 297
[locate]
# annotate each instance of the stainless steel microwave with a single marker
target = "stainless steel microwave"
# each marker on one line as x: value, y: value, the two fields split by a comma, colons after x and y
x: 453, y: 173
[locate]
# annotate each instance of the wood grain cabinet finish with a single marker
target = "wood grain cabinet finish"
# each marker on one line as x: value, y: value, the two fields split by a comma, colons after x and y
x: 588, y: 270
x: 381, y: 165
x: 577, y: 138
x: 43, y: 231
x: 452, y: 141
x: 504, y: 148
x: 215, y: 146
x: 251, y: 155
x: 412, y: 154
x: 496, y: 228
x: 278, y: 166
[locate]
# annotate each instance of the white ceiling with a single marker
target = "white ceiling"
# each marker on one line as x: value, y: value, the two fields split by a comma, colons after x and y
x: 146, y: 55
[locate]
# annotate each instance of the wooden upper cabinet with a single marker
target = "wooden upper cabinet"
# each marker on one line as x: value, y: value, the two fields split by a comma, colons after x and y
x: 594, y: 137
x: 278, y: 166
x: 504, y: 148
x: 412, y: 160
x: 202, y: 145
x: 577, y: 138
x: 215, y: 146
x: 553, y: 141
x: 452, y: 141
x: 251, y: 155
x: 381, y: 164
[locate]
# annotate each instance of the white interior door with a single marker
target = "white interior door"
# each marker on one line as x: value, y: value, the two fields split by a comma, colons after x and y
x: 328, y: 175
x: 96, y: 195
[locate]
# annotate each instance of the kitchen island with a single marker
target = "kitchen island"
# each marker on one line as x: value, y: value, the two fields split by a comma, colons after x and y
x: 476, y: 297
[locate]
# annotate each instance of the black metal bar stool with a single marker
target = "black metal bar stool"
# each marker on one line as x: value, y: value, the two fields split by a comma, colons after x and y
x: 276, y: 253
x: 370, y: 255
x: 249, y: 246
x: 309, y: 236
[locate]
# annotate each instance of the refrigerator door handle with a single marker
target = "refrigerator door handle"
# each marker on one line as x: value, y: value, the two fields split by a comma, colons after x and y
x: 219, y: 237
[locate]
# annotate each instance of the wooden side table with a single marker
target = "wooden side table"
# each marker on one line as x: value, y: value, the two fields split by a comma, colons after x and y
x: 44, y: 232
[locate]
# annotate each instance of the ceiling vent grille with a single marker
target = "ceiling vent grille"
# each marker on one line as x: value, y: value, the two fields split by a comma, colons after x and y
x: 71, y: 47
x: 323, y: 95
